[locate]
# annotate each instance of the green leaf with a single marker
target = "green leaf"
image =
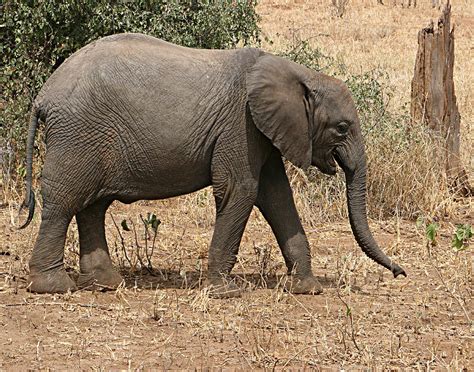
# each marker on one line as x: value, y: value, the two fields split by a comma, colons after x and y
x: 431, y: 232
x: 155, y: 224
x: 457, y: 244
x: 125, y: 226
x: 461, y: 237
x: 153, y: 221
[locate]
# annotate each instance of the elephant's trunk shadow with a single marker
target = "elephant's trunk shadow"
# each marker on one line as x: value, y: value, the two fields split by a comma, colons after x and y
x: 174, y: 279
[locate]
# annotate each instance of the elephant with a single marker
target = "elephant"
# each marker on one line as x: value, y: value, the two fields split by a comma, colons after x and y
x: 131, y: 117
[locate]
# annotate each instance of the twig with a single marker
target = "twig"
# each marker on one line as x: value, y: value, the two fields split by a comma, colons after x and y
x: 148, y: 256
x: 152, y: 247
x: 451, y: 293
x: 122, y: 240
x: 139, y: 257
x: 349, y: 313
x: 145, y: 233
x: 91, y: 306
x: 294, y: 356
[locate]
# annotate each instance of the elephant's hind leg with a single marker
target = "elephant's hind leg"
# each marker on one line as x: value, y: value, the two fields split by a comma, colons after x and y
x: 47, y: 273
x: 95, y: 263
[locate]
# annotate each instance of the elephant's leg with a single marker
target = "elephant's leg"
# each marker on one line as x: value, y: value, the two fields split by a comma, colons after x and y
x: 234, y: 202
x: 96, y: 266
x: 275, y: 201
x: 47, y: 273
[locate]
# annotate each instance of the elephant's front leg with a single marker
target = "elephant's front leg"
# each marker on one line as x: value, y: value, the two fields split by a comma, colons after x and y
x: 235, y: 196
x: 275, y: 201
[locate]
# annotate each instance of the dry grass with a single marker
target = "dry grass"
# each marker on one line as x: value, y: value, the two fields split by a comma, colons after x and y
x: 167, y: 320
x: 163, y: 317
x: 403, y: 182
x: 372, y: 36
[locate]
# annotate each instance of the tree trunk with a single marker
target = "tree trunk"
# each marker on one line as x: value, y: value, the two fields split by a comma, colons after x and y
x: 433, y: 101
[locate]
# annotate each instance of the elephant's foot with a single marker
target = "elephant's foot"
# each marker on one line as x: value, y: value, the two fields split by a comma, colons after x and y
x: 306, y: 285
x: 53, y: 281
x: 221, y: 288
x: 100, y: 279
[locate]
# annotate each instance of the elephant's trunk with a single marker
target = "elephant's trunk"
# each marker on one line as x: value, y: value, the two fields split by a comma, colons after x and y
x: 355, y: 172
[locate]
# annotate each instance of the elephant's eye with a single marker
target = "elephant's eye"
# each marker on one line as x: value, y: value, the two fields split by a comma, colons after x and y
x: 342, y: 127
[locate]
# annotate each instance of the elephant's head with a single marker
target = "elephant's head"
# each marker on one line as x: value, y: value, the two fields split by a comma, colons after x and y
x: 311, y: 118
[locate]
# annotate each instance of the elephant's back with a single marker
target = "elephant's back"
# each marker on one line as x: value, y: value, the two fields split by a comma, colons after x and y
x: 136, y: 66
x: 101, y: 59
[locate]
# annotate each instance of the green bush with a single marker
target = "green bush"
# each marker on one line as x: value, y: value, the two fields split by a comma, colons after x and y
x: 39, y: 35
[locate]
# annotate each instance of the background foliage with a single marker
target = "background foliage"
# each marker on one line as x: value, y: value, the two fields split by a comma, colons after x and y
x: 38, y: 35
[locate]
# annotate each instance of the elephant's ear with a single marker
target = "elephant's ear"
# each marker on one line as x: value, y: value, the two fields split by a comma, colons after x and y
x: 280, y: 106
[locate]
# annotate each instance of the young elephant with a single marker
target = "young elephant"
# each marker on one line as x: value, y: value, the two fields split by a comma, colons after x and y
x: 131, y: 117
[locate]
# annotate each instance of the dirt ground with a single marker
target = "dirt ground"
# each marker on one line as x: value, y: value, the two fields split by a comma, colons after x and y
x: 163, y: 318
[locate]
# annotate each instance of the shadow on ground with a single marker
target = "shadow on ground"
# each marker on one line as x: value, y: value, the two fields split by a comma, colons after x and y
x: 173, y: 279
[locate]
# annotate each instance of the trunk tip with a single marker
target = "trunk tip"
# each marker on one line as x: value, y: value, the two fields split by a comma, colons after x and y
x: 397, y: 270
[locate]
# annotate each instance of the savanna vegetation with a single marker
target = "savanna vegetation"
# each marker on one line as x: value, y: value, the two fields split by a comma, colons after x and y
x: 162, y: 316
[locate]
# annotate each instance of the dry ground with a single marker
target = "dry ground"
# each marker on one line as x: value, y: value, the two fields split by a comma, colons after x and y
x: 163, y: 317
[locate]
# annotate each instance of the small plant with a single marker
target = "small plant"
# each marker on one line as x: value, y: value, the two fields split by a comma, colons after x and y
x: 431, y: 232
x: 151, y: 221
x: 462, y: 236
x: 263, y: 258
x: 140, y: 248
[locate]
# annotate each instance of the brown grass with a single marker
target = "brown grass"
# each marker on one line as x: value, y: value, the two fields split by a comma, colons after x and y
x: 371, y: 36
x: 403, y: 181
x: 364, y: 319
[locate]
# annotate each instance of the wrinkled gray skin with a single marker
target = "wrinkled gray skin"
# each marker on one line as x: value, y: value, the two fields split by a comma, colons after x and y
x: 131, y: 117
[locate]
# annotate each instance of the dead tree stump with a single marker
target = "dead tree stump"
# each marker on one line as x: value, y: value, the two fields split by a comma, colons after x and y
x: 433, y: 100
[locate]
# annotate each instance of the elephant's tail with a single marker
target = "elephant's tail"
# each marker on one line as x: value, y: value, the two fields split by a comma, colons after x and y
x: 30, y: 196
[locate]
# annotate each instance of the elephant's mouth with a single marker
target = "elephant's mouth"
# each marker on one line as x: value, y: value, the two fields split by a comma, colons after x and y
x: 328, y: 165
x: 336, y: 157
x: 332, y: 166
x: 346, y: 162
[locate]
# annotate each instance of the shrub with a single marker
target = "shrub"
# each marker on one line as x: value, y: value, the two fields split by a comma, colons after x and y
x: 40, y: 35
